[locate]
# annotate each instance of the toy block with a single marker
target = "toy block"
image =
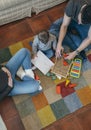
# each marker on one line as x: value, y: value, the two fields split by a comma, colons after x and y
x: 37, y: 77
x: 72, y: 85
x: 65, y: 63
x: 58, y: 89
x: 67, y: 82
x: 48, y: 74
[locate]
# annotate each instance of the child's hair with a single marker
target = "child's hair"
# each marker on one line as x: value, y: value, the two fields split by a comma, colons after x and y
x: 43, y: 36
x: 86, y: 14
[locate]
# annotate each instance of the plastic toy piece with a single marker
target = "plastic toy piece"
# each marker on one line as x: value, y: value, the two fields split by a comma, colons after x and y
x: 76, y: 68
x: 37, y: 77
x: 65, y: 55
x: 65, y: 63
x: 53, y: 77
x: 72, y: 85
x: 58, y: 89
x: 67, y: 82
x: 48, y: 74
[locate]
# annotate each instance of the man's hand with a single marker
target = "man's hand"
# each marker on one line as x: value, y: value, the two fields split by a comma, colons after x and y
x: 59, y: 51
x: 71, y: 55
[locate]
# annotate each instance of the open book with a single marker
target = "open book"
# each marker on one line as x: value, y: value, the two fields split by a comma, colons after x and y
x: 42, y: 62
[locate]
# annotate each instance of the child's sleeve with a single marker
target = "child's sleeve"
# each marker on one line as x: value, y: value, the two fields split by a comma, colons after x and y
x: 35, y: 45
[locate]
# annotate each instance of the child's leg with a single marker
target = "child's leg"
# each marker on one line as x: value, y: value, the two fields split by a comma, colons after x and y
x: 49, y: 53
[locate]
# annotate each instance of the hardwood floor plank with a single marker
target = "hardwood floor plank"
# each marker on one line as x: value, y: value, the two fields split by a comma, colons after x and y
x: 15, y: 33
x: 10, y: 115
x: 39, y: 23
x: 14, y: 123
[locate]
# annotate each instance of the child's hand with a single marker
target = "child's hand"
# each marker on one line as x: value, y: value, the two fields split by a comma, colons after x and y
x: 34, y: 56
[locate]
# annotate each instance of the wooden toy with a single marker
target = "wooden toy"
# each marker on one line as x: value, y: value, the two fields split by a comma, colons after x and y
x: 58, y: 89
x: 67, y: 82
x: 76, y: 68
x: 60, y: 69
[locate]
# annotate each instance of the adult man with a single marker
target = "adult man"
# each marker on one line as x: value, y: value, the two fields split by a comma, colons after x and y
x: 77, y: 17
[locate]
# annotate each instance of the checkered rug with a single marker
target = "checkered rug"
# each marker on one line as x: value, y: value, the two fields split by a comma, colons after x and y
x: 39, y: 111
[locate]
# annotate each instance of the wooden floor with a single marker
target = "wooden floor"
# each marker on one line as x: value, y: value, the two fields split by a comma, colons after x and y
x: 15, y: 32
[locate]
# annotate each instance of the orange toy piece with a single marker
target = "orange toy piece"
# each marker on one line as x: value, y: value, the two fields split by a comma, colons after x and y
x: 72, y: 85
x: 58, y: 89
x: 37, y: 77
x: 65, y: 63
x: 65, y: 55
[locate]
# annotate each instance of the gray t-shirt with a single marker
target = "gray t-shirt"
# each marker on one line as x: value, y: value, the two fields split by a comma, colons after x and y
x: 73, y: 8
x: 38, y: 45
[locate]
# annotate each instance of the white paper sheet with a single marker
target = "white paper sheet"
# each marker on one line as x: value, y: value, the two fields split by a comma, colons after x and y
x: 2, y: 124
x: 42, y: 62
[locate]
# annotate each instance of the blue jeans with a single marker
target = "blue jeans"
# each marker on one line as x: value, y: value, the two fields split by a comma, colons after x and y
x: 49, y: 53
x: 72, y: 40
x: 28, y: 84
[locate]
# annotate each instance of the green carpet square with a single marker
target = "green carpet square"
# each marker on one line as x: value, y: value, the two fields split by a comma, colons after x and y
x: 26, y: 107
x: 59, y: 109
x: 5, y: 55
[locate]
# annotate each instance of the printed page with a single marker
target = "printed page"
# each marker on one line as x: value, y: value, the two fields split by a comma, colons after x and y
x: 2, y: 124
x: 42, y: 62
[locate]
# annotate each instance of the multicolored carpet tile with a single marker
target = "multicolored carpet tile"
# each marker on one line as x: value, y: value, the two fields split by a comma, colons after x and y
x: 39, y: 111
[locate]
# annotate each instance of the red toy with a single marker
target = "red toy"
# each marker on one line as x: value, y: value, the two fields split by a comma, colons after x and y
x: 69, y: 84
x: 65, y: 63
x: 37, y: 77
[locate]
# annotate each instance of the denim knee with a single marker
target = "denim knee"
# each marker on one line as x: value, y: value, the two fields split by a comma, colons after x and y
x: 55, y: 27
